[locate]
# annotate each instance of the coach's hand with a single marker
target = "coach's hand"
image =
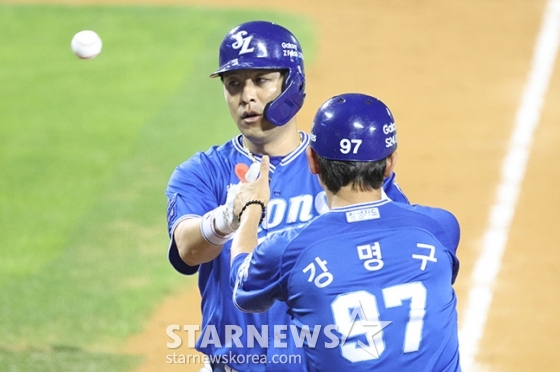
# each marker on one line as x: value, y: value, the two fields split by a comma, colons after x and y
x: 262, y: 184
x: 258, y: 190
x: 250, y: 205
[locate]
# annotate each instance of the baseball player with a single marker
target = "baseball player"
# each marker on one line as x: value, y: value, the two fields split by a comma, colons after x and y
x: 369, y: 283
x: 262, y: 71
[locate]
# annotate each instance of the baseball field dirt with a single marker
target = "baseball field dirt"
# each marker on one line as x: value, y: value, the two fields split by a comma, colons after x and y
x: 453, y: 73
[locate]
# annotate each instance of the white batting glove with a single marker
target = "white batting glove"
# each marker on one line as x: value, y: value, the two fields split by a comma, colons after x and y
x: 224, y: 218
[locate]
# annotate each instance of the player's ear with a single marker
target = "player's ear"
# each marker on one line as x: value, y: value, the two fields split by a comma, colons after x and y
x: 391, y: 161
x: 312, y: 160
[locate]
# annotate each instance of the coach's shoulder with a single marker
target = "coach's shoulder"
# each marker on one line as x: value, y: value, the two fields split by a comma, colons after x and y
x: 438, y: 214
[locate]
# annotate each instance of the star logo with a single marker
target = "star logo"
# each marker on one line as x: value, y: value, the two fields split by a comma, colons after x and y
x: 360, y: 324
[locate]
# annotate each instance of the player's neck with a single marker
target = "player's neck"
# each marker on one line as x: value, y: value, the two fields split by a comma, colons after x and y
x: 346, y: 197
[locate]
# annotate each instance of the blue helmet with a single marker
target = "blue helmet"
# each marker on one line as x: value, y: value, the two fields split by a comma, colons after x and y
x: 266, y: 45
x: 354, y: 127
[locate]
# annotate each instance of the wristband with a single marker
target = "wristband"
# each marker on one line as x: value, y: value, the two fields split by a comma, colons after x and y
x: 209, y: 231
x: 254, y: 202
x: 224, y: 220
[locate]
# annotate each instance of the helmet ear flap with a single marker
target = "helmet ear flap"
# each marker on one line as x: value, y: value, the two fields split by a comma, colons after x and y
x: 289, y: 102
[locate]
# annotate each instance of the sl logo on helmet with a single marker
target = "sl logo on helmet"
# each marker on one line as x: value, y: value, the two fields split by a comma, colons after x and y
x: 242, y: 42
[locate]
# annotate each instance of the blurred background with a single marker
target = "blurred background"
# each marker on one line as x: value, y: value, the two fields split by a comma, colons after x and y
x: 87, y: 148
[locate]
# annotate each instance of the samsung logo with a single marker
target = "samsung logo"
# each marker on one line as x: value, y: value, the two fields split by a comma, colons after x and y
x: 362, y: 215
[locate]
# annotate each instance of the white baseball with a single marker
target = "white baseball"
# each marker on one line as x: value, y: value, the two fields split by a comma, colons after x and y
x: 86, y: 44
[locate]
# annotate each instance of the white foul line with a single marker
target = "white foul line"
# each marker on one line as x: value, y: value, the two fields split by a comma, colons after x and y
x: 512, y: 173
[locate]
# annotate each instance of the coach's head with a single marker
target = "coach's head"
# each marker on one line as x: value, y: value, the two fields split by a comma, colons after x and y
x: 353, y: 142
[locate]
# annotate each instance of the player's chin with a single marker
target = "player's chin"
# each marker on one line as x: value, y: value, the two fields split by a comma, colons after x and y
x: 250, y: 126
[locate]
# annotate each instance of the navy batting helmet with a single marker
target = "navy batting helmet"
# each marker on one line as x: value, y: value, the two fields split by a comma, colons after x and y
x: 354, y: 127
x: 266, y: 45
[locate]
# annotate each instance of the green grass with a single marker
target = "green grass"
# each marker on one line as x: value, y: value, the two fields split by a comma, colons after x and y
x: 86, y: 149
x: 61, y: 359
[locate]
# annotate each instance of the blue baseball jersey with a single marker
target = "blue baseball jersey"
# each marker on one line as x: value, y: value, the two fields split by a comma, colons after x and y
x: 200, y: 185
x: 369, y: 287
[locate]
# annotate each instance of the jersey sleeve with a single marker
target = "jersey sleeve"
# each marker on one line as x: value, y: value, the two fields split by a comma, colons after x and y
x: 449, y: 235
x: 393, y: 190
x: 453, y: 231
x: 257, y: 278
x: 191, y: 192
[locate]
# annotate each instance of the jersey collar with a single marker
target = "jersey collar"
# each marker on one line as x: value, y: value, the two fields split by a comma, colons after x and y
x: 238, y: 145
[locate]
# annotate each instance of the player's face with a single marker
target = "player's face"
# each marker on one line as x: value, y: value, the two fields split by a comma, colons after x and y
x: 247, y: 92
